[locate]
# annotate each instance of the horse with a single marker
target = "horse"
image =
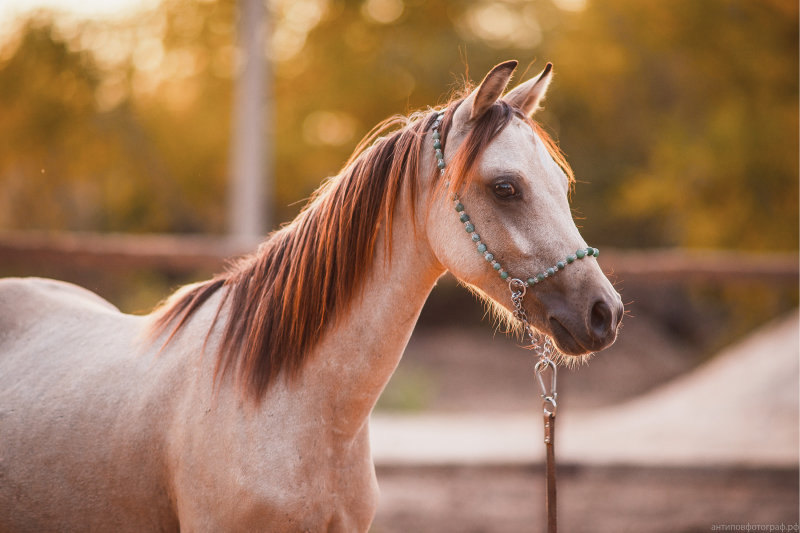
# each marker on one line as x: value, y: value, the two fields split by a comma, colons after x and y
x: 242, y: 403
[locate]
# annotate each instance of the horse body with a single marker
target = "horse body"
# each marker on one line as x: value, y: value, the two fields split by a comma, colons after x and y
x: 169, y: 447
x: 110, y: 422
x: 300, y: 460
x: 69, y: 433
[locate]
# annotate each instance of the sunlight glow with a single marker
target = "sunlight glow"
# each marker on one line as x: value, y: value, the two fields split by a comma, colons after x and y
x: 78, y: 8
x: 502, y: 25
x: 571, y: 5
x: 294, y: 19
x: 333, y: 128
x: 383, y: 11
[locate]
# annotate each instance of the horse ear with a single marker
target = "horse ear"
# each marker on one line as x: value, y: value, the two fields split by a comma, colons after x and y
x: 487, y: 93
x: 527, y: 96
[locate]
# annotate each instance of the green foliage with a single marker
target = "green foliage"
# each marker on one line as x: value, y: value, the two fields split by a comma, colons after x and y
x: 680, y: 117
x: 683, y: 117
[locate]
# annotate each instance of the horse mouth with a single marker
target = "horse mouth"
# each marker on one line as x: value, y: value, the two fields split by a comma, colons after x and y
x: 565, y: 341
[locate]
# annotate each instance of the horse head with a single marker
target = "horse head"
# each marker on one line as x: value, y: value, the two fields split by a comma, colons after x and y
x: 502, y: 180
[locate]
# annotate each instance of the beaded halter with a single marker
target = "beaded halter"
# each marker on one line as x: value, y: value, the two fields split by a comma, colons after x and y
x: 469, y: 227
x: 541, y: 344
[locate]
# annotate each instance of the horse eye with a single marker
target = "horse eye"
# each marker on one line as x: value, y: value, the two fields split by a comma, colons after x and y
x: 504, y: 190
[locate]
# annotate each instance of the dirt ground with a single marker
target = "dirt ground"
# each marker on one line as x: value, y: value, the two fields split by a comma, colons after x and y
x: 591, y: 500
x: 451, y: 369
x: 466, y: 369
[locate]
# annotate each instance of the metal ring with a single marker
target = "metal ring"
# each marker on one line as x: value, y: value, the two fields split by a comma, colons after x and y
x: 522, y: 287
x: 552, y: 401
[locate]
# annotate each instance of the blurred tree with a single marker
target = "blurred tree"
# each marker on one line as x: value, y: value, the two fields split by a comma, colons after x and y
x: 366, y: 60
x: 64, y: 162
x: 681, y: 116
x: 117, y: 127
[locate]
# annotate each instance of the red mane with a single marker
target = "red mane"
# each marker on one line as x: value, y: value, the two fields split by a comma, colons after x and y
x: 283, y: 297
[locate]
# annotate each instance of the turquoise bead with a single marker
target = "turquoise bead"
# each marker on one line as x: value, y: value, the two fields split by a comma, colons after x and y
x: 532, y: 281
x: 436, y: 135
x: 440, y: 164
x: 439, y: 153
x: 590, y: 251
x: 560, y: 265
x: 496, y: 266
x: 459, y: 207
x: 489, y: 257
x: 580, y: 254
x: 437, y: 145
x: 596, y: 252
x: 481, y: 247
x: 469, y: 227
x: 571, y: 259
x: 464, y: 217
x: 503, y: 275
x: 551, y: 271
x: 540, y: 277
x: 476, y: 237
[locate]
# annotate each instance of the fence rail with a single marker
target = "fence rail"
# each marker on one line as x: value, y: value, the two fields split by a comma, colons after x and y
x: 169, y: 253
x: 185, y: 254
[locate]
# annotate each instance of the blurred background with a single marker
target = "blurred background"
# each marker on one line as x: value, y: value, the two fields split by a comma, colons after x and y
x: 143, y: 142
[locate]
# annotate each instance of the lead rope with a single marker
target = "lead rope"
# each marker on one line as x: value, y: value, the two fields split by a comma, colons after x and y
x: 541, y: 344
x: 543, y: 348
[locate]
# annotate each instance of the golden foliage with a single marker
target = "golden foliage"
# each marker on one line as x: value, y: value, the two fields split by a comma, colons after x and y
x: 682, y: 117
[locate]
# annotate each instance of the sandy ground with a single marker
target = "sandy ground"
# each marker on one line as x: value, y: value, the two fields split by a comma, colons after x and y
x: 591, y: 500
x: 458, y: 375
x: 456, y: 369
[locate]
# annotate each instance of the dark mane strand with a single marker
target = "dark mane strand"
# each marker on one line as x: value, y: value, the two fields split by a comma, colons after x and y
x: 278, y: 301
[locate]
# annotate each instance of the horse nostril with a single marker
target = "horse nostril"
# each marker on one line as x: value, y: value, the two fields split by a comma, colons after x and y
x: 602, y: 319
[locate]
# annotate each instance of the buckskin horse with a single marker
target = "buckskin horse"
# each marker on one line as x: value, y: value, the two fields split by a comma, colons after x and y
x: 242, y: 403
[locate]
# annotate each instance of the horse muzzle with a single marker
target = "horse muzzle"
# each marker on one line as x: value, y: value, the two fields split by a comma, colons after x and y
x: 591, y: 330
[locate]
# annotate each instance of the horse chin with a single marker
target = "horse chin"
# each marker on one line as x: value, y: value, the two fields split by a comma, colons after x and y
x: 566, y: 342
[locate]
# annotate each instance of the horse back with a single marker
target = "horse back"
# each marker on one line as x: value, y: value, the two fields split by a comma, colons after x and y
x: 82, y: 405
x: 26, y: 300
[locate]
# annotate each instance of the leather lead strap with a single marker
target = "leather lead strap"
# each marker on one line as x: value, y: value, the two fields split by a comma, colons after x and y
x: 550, y: 472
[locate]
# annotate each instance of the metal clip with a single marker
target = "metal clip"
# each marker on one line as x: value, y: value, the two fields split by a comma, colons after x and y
x: 548, y: 395
x: 541, y: 344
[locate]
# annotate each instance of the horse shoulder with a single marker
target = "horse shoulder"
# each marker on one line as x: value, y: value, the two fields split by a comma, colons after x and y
x: 289, y: 472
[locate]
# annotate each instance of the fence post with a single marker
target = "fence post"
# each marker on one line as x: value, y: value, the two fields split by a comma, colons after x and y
x: 251, y: 140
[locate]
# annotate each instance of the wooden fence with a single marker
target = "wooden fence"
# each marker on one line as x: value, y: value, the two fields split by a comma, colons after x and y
x: 177, y: 254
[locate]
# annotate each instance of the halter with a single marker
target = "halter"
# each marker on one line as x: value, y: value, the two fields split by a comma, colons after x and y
x: 541, y: 344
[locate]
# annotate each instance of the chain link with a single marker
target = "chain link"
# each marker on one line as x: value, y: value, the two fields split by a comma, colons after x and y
x: 542, y: 346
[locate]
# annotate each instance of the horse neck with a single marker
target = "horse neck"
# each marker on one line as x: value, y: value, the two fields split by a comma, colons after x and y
x: 359, y: 352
